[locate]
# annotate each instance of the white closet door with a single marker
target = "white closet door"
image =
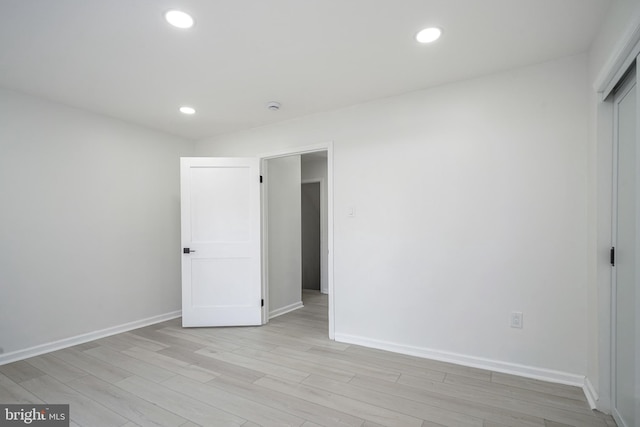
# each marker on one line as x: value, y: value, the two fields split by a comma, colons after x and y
x: 626, y: 295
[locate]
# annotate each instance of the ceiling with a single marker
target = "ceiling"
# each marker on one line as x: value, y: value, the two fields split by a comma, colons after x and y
x: 120, y: 58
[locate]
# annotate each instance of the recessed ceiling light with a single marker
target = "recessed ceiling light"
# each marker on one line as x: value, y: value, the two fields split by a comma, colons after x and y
x: 179, y: 19
x: 429, y: 35
x: 273, y: 106
x: 187, y: 110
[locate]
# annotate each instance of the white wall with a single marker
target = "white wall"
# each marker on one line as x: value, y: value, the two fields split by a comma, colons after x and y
x: 89, y: 224
x: 470, y: 202
x: 284, y: 234
x: 315, y: 168
x: 622, y: 20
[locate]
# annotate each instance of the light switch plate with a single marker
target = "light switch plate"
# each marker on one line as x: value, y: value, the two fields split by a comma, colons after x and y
x: 516, y: 319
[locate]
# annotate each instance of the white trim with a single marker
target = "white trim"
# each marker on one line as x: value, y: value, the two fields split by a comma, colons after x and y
x: 618, y: 419
x: 298, y: 150
x: 620, y: 59
x: 286, y: 309
x: 83, y: 338
x: 471, y: 361
x: 264, y: 203
x: 590, y: 393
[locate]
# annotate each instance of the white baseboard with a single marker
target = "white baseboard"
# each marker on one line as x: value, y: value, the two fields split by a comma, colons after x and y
x: 591, y: 393
x: 286, y: 309
x: 471, y: 361
x: 80, y: 339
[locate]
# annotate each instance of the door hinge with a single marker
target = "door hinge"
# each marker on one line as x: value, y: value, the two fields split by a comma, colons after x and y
x: 612, y: 256
x: 260, y: 179
x: 261, y: 303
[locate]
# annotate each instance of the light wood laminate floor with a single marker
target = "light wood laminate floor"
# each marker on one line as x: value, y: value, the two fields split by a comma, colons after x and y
x: 285, y: 373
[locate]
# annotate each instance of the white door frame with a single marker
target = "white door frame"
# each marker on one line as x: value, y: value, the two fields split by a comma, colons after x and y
x: 623, y: 54
x: 328, y: 147
x: 323, y: 220
x: 626, y: 86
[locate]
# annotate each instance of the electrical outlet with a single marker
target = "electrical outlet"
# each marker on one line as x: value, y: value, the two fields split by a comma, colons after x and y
x: 516, y: 319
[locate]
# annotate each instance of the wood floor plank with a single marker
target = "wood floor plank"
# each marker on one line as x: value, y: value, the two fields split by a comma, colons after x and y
x: 429, y: 364
x: 341, y: 403
x: 12, y: 392
x: 354, y: 365
x: 548, y: 423
x: 238, y: 338
x: 200, y: 336
x: 135, y: 366
x: 285, y: 337
x: 300, y: 365
x: 20, y: 371
x: 537, y: 385
x: 266, y: 368
x: 578, y: 405
x: 378, y: 363
x: 256, y: 341
x: 299, y: 320
x: 172, y: 364
x: 294, y: 405
x: 214, y: 365
x: 234, y: 404
x: 394, y: 402
x: 92, y: 365
x: 169, y: 341
x: 492, y: 424
x: 451, y: 403
x: 86, y: 345
x: 267, y: 337
x: 184, y: 406
x: 528, y: 408
x: 126, y: 404
x: 83, y: 410
x: 142, y: 342
x: 56, y: 368
x: 298, y: 330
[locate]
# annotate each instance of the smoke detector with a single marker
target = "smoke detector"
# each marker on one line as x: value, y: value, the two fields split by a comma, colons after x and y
x: 273, y: 106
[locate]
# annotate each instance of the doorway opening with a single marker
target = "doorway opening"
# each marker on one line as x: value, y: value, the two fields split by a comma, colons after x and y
x: 314, y: 230
x: 297, y: 254
x: 310, y: 216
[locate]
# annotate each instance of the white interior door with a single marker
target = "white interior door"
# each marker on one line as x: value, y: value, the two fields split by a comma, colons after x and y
x: 220, y: 211
x: 625, y: 293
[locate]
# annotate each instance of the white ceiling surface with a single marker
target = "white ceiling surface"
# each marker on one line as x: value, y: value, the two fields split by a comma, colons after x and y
x: 120, y: 58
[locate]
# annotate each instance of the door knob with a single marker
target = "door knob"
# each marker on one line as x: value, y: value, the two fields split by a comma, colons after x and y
x: 187, y: 250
